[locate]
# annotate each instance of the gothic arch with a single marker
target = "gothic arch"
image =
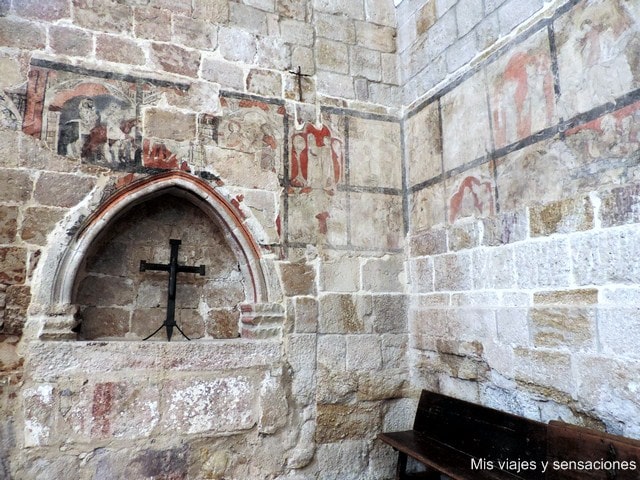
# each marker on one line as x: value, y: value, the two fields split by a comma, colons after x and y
x: 56, y: 295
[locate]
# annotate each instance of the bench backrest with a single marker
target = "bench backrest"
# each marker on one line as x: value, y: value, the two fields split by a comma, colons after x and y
x: 602, y: 456
x: 482, y: 432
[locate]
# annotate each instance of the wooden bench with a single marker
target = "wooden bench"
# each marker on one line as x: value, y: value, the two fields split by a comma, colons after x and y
x: 579, y: 453
x: 467, y: 441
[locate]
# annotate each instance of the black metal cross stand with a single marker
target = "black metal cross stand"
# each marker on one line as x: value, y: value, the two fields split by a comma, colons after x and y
x: 173, y: 268
x: 298, y: 73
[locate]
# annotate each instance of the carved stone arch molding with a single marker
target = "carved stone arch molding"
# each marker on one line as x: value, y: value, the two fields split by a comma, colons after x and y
x: 260, y: 317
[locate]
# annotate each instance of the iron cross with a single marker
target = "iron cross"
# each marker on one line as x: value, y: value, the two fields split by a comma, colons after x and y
x: 173, y: 268
x: 298, y: 73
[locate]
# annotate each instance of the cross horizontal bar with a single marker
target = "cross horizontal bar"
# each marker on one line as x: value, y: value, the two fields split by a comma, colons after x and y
x: 144, y: 266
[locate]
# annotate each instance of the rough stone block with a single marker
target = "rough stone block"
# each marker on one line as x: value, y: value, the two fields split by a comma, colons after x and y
x: 21, y: 34
x: 364, y: 352
x: 332, y: 56
x: 453, y: 271
x: 431, y: 242
x: 563, y: 216
x: 468, y: 14
x: 106, y: 290
x: 8, y: 224
x: 248, y: 18
x: 209, y: 405
x: 382, y: 384
x: 50, y: 11
x: 227, y: 74
x: 297, y: 33
x: 147, y: 21
x: 494, y: 268
x: 306, y: 314
x: 120, y: 50
x: 194, y: 33
x: 13, y: 265
x: 584, y: 296
x: 620, y: 206
x: 608, y: 386
x: 273, y: 53
x: 596, y: 260
x: 505, y: 228
x: 384, y: 274
x: 380, y: 13
x: 332, y: 353
x: 618, y: 333
x: 461, y: 53
x: 301, y: 352
x: 108, y: 322
x: 211, y: 11
x: 543, y: 263
x: 372, y: 213
x: 70, y: 41
x: 273, y: 406
x: 394, y: 350
x: 341, y: 313
x: 175, y: 59
x: 104, y: 17
x: 465, y: 123
x: 220, y: 323
x: 376, y: 37
x: 365, y: 63
x: 421, y: 275
x: 236, y: 45
x: 335, y: 27
x: 297, y: 279
x: 353, y: 9
x: 344, y: 460
x: 341, y: 275
x: 169, y: 124
x: 513, y: 326
x: 547, y: 370
x: 387, y: 95
x: 304, y: 58
x: 264, y: 82
x: 388, y: 313
x: 464, y: 234
x: 441, y: 35
x: 295, y: 9
x: 557, y: 327
x: 328, y: 83
x: 346, y: 422
x: 513, y: 12
x: 374, y: 153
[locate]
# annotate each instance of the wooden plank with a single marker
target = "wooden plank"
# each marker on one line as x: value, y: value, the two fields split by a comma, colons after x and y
x: 481, y: 432
x: 454, y: 463
x: 579, y: 453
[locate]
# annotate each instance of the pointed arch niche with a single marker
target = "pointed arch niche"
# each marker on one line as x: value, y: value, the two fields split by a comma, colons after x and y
x: 87, y: 289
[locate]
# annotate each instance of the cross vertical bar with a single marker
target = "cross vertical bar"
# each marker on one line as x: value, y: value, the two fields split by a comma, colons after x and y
x: 173, y: 268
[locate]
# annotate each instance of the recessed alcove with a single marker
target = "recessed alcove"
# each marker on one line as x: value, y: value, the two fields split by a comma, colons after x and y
x: 118, y: 301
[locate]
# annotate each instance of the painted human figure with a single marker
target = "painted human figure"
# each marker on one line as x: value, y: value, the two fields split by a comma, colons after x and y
x: 317, y: 160
x: 76, y: 131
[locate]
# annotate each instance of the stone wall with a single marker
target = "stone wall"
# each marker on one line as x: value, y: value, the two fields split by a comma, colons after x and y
x: 102, y: 99
x: 440, y: 38
x: 523, y: 179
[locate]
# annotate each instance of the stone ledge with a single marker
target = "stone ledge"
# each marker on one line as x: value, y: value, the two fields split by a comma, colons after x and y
x: 48, y: 361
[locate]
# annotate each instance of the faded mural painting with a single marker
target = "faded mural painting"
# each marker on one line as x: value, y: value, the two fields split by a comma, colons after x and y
x: 472, y: 197
x: 317, y: 160
x: 93, y: 119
